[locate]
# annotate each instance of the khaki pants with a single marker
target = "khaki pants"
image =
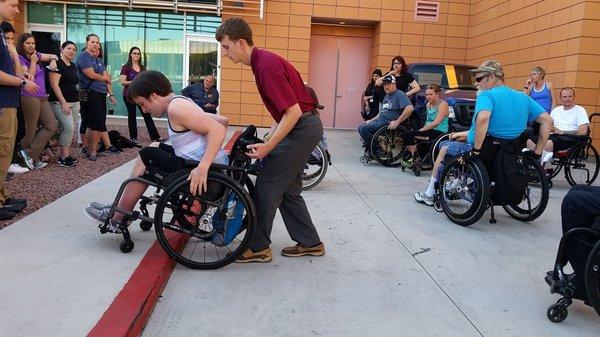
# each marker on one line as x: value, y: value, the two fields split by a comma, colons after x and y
x: 8, y: 132
x: 37, y: 110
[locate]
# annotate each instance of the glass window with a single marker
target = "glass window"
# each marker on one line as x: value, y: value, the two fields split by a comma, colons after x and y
x: 203, y: 24
x: 426, y: 74
x: 164, y: 45
x: 464, y: 77
x: 45, y: 13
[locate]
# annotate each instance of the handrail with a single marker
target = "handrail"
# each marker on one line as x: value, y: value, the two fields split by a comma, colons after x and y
x: 219, y: 7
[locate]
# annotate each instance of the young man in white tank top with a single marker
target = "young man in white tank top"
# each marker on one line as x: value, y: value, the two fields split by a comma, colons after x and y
x: 196, y: 135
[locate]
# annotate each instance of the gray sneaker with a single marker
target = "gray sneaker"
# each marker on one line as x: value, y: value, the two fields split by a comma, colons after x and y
x: 100, y: 216
x: 99, y: 206
x: 423, y: 198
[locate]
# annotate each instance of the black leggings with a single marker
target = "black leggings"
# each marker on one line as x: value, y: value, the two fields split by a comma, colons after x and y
x: 132, y: 121
x: 423, y: 137
x: 19, y: 136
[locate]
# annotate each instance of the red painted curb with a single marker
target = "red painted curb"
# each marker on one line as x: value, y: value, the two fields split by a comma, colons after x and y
x: 128, y: 313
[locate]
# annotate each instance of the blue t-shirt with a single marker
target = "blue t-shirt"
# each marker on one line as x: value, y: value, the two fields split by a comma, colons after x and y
x: 511, y: 112
x: 85, y: 61
x: 393, y: 104
x: 9, y: 96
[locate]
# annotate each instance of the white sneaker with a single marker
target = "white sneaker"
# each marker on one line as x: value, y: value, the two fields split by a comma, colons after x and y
x: 422, y: 198
x: 16, y: 168
x: 39, y: 164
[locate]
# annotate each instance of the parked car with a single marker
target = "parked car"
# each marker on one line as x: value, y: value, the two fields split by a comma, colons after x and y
x: 458, y: 90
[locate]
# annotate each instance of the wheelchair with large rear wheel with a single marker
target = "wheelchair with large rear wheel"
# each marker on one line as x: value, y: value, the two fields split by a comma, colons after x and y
x: 562, y: 283
x: 204, y: 231
x: 465, y: 189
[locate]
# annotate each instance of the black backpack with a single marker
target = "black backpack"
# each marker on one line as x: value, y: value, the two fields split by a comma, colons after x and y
x: 121, y: 142
x: 508, y: 171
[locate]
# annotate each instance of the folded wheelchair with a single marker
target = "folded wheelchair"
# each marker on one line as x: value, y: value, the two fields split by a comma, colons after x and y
x: 465, y: 190
x: 588, y: 240
x: 206, y: 231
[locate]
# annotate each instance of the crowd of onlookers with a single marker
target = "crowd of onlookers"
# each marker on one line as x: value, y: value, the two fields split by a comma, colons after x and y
x: 66, y: 94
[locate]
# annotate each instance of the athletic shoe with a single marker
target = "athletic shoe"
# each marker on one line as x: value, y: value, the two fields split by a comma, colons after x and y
x: 73, y: 159
x: 100, y: 217
x: 66, y: 162
x: 407, y: 162
x: 423, y: 198
x: 134, y: 140
x: 9, y: 176
x: 113, y: 150
x: 92, y: 157
x: 299, y: 250
x: 39, y: 164
x: 26, y: 158
x: 16, y: 168
x: 262, y: 256
x: 99, y: 206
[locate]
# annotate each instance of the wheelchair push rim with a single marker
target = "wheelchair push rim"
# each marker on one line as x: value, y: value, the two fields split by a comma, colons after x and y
x: 182, y: 216
x: 315, y: 168
x: 583, y: 165
x: 592, y: 277
x: 536, y: 195
x: 387, y: 146
x: 464, y: 191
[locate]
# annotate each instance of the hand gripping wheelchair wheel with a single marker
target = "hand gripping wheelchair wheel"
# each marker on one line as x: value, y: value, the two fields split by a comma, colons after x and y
x: 191, y: 228
x: 387, y: 146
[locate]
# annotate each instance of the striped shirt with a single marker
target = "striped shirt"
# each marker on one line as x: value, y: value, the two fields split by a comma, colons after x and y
x: 191, y: 145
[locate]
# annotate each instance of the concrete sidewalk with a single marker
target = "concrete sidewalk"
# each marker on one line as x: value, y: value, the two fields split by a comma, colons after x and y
x: 393, y: 268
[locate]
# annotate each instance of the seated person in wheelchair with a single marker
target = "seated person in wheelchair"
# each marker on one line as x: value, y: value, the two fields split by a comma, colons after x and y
x: 395, y: 110
x: 500, y: 112
x: 436, y: 124
x: 580, y: 209
x: 571, y: 125
x: 195, y: 135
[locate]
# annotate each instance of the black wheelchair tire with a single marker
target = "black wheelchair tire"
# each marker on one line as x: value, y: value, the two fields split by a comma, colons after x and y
x: 475, y: 212
x: 592, y: 277
x: 250, y: 221
x: 397, y: 133
x: 521, y: 214
x: 590, y: 151
x: 314, y: 179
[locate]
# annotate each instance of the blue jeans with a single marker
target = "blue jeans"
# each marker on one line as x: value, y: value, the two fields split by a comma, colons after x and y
x: 367, y: 130
x: 454, y: 148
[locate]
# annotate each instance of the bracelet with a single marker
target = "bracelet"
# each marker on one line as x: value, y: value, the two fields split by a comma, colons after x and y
x: 111, y: 95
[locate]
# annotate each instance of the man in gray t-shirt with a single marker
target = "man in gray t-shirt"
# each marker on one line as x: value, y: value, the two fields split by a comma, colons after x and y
x: 395, y: 109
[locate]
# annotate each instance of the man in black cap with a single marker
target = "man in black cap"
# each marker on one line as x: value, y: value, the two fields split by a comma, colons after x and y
x: 395, y: 109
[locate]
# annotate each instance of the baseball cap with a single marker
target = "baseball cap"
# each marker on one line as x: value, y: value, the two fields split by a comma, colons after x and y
x: 389, y: 79
x: 490, y: 67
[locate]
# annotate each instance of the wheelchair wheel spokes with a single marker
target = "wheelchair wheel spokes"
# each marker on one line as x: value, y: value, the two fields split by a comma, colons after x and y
x: 387, y: 146
x: 463, y: 192
x: 315, y: 168
x: 197, y: 231
x: 536, y: 196
x: 583, y: 165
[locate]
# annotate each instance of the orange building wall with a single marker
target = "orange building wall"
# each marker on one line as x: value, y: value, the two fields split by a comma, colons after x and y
x: 560, y: 36
x: 286, y: 29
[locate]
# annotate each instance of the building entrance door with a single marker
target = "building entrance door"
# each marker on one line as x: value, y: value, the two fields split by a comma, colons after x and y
x: 339, y: 72
x: 201, y: 58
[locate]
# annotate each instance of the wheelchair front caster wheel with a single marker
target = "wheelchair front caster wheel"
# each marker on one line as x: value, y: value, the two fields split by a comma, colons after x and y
x: 126, y: 246
x: 145, y: 225
x: 417, y: 173
x: 437, y: 205
x: 403, y: 168
x: 557, y: 313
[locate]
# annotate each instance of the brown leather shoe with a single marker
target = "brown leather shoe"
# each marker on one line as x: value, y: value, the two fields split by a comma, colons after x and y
x: 262, y: 256
x: 300, y: 250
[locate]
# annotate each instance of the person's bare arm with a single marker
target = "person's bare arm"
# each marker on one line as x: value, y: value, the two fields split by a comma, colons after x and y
x: 15, y: 81
x: 545, y: 122
x: 552, y: 94
x: 184, y: 114
x: 481, y: 128
x: 54, y: 83
x: 124, y: 80
x: 89, y: 73
x: 403, y: 116
x: 415, y: 87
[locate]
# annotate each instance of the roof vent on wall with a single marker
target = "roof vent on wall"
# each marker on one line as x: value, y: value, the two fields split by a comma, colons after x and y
x: 427, y: 10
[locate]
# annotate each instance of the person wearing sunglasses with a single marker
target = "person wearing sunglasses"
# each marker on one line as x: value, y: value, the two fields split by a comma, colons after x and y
x: 500, y: 112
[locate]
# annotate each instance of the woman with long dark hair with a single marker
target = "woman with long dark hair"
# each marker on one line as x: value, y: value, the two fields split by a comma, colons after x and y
x: 129, y: 71
x: 372, y: 97
x: 35, y: 106
x: 64, y: 100
x: 404, y: 80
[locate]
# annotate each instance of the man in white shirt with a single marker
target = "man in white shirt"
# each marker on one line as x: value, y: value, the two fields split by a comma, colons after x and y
x: 570, y: 123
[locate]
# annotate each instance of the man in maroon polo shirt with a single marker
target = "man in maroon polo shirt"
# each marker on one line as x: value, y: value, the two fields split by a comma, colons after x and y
x: 298, y: 130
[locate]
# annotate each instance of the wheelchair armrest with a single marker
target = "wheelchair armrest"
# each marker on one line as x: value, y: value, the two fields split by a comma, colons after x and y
x: 191, y: 163
x: 457, y: 127
x: 213, y: 167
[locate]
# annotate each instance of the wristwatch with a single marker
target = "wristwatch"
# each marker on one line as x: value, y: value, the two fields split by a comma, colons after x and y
x: 23, y: 83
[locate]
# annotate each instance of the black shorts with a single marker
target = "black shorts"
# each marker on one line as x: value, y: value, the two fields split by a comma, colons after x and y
x: 563, y: 142
x: 162, y: 158
x: 93, y: 112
